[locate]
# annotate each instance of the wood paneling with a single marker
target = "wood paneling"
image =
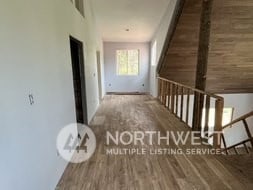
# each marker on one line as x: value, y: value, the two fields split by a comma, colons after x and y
x: 230, y: 66
x: 181, y: 59
x: 171, y: 31
x: 230, y: 62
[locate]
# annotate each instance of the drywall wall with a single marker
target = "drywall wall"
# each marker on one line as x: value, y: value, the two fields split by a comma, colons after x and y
x: 159, y: 39
x: 116, y: 83
x: 35, y: 59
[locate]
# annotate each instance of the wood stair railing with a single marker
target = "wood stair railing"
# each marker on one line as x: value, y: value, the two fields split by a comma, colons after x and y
x: 243, y: 143
x: 178, y: 99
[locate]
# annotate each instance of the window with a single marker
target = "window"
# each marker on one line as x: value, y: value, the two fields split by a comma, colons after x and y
x: 153, y: 54
x: 227, y: 116
x: 127, y: 62
x: 79, y: 6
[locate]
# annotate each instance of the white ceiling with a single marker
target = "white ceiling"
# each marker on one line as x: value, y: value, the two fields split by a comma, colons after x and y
x: 141, y: 17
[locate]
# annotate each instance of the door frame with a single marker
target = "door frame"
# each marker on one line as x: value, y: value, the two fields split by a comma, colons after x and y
x: 82, y: 76
x: 98, y: 55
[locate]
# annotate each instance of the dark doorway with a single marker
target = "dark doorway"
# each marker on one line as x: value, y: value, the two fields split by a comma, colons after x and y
x: 77, y: 58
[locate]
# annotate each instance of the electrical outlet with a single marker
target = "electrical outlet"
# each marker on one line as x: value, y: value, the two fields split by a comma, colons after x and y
x: 31, y: 99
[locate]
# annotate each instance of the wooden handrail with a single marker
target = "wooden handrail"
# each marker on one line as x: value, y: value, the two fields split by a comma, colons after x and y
x: 242, y: 118
x: 245, y: 124
x: 193, y: 89
x: 238, y: 144
x: 238, y: 120
x: 171, y: 95
x: 176, y: 98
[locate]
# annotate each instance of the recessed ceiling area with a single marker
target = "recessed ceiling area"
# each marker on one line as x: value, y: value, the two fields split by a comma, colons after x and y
x: 128, y: 20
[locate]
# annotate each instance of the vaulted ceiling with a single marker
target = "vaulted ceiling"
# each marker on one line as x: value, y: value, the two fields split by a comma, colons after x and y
x: 128, y: 20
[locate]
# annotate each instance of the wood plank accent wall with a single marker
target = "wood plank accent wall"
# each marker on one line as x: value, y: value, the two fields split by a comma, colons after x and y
x: 181, y: 58
x: 230, y: 62
x: 171, y: 31
x: 230, y: 66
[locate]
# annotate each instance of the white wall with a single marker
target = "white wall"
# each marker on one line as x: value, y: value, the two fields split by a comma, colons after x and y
x: 159, y: 39
x: 35, y: 58
x: 115, y: 83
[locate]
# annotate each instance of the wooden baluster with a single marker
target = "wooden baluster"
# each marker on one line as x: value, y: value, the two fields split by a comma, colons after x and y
x: 207, y: 109
x: 187, y: 107
x: 169, y: 94
x: 163, y: 84
x: 159, y: 90
x: 219, y: 104
x: 248, y: 131
x: 162, y: 92
x: 177, y: 100
x: 196, y: 112
x: 236, y: 152
x: 182, y: 104
x: 173, y: 99
x: 160, y: 97
x: 165, y: 93
x: 246, y: 148
x: 224, y: 143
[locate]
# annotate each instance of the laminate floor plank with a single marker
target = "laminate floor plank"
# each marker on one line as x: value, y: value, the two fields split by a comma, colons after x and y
x: 151, y: 172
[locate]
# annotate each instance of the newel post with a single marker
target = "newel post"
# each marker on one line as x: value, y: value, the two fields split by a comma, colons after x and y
x: 219, y: 105
x: 159, y: 89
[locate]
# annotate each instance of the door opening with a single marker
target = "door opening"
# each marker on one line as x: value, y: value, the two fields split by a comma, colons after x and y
x: 78, y: 71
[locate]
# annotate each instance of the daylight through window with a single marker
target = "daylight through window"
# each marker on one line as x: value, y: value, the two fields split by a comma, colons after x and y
x: 79, y: 6
x: 127, y: 62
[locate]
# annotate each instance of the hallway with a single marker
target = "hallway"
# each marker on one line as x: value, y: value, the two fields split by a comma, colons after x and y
x: 157, y: 172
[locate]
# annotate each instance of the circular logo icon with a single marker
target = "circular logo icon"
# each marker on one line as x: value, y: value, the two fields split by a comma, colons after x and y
x: 76, y: 143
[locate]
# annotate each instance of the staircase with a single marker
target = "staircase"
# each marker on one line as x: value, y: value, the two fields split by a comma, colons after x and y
x: 179, y: 100
x: 242, y: 147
